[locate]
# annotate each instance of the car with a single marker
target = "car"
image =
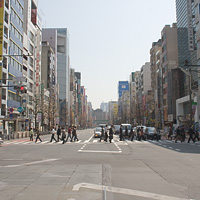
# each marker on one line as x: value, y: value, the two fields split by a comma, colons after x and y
x: 150, y: 132
x: 116, y: 129
x: 97, y: 132
x: 1, y: 140
x: 129, y: 129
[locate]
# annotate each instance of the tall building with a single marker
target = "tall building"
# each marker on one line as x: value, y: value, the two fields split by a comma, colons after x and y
x: 170, y: 74
x: 132, y: 89
x: 188, y: 41
x: 11, y: 47
x: 49, y: 78
x: 104, y: 107
x: 156, y: 82
x: 58, y: 39
x: 145, y: 76
x: 32, y: 50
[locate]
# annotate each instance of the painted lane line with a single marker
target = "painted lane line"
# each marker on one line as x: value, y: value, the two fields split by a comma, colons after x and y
x: 177, y: 149
x: 31, y: 163
x: 125, y: 191
x: 95, y: 151
x: 117, y: 147
x: 170, y: 147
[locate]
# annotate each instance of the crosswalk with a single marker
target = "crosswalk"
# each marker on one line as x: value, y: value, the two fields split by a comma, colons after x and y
x: 94, y: 141
x: 47, y: 142
x: 27, y: 142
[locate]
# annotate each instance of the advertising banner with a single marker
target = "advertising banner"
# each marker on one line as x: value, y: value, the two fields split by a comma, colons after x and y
x: 1, y: 40
x: 190, y: 25
x: 1, y: 27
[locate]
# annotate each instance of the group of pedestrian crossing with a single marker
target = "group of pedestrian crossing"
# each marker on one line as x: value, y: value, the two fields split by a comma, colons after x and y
x: 61, y: 134
x: 115, y: 140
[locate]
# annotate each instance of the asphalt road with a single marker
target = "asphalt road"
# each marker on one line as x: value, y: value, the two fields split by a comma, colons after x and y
x: 93, y: 170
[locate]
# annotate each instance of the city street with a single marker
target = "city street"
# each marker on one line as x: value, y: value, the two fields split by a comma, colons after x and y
x: 93, y: 170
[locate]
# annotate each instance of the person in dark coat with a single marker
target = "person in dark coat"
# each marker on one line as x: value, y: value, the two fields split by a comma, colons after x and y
x: 74, y: 134
x: 120, y: 133
x: 196, y: 136
x: 111, y: 133
x: 58, y: 133
x: 63, y: 135
x: 178, y: 135
x: 131, y: 134
x: 102, y: 134
x: 106, y: 134
x: 191, y: 134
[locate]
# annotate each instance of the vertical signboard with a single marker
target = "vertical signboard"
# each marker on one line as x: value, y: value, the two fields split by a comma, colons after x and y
x: 37, y: 76
x: 1, y: 39
x: 190, y: 26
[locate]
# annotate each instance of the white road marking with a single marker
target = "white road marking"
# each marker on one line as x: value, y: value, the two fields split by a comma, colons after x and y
x: 95, y: 151
x: 125, y: 191
x: 177, y: 149
x: 31, y: 163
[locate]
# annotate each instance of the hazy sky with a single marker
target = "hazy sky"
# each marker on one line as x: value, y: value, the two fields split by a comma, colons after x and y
x: 109, y: 39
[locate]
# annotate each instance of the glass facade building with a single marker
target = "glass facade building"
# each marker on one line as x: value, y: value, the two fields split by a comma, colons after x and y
x: 185, y: 13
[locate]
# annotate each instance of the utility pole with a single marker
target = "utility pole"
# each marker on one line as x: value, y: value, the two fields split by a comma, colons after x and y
x: 188, y: 73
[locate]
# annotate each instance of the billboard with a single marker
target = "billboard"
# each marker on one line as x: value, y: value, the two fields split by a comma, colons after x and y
x: 1, y: 39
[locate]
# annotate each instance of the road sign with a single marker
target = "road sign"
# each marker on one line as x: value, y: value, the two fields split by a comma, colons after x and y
x: 11, y: 115
x: 20, y: 109
x: 26, y: 120
x: 11, y: 110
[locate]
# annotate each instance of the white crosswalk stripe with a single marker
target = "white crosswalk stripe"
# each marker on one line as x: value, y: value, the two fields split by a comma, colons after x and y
x: 47, y: 142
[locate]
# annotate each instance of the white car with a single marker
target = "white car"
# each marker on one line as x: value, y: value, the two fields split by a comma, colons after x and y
x: 1, y: 140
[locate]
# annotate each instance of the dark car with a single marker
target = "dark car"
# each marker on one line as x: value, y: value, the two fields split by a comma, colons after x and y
x: 150, y: 132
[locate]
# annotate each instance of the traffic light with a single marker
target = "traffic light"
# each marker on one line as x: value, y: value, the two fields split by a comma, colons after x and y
x: 23, y: 90
x: 20, y: 89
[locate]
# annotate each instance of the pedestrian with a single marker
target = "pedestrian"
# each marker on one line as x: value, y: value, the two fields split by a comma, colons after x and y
x: 74, y: 134
x: 111, y: 133
x: 58, y: 133
x: 69, y: 131
x: 53, y: 135
x: 183, y: 133
x: 141, y: 134
x: 120, y: 133
x: 106, y: 134
x: 31, y: 134
x: 102, y: 134
x: 131, y: 134
x: 178, y: 135
x: 138, y: 133
x: 63, y: 135
x: 156, y: 134
x: 37, y: 135
x: 126, y: 132
x: 196, y: 136
x: 170, y: 133
x: 191, y: 134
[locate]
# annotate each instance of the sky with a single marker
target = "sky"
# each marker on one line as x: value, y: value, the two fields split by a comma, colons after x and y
x: 109, y: 39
